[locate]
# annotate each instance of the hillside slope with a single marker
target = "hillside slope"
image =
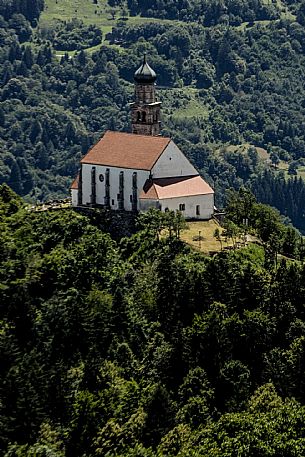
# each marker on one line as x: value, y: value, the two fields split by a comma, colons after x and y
x: 142, y: 346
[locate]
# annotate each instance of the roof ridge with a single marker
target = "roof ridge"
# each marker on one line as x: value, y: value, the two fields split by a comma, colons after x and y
x: 138, y: 135
x: 179, y: 178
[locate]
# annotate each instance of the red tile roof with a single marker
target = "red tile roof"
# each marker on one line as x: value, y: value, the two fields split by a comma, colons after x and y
x: 158, y: 189
x: 74, y: 185
x: 126, y: 150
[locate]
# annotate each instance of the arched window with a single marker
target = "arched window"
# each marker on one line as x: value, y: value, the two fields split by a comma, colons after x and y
x: 143, y: 116
x: 138, y: 116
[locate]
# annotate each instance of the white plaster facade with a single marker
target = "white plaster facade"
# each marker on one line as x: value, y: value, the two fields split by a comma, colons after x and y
x: 172, y: 162
x: 114, y: 178
x: 196, y: 206
x: 74, y: 197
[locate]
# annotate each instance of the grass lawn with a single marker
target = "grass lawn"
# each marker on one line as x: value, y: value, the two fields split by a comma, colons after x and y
x: 243, y: 149
x: 262, y: 153
x: 301, y: 173
x: 85, y: 10
x: 182, y: 103
x: 283, y: 166
x: 206, y: 229
x: 89, y: 13
x: 193, y: 108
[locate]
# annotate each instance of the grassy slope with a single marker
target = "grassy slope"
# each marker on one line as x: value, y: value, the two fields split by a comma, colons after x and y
x: 208, y: 242
x: 85, y: 10
x: 88, y: 12
x: 187, y: 103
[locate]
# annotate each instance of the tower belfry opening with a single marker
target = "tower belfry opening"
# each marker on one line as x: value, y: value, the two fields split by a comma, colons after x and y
x: 145, y: 110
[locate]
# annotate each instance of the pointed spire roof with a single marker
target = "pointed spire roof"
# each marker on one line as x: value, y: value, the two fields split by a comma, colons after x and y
x: 145, y: 74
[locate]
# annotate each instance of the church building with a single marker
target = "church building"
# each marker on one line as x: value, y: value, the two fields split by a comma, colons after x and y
x: 140, y: 170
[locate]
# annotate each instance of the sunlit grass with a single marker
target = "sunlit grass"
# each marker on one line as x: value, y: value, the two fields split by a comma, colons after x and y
x: 206, y: 230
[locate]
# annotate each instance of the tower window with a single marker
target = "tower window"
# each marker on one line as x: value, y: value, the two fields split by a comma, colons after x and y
x: 197, y: 210
x: 143, y: 116
x: 182, y: 207
x: 138, y: 116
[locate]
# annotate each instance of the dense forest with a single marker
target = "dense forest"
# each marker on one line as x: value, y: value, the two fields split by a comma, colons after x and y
x: 141, y: 346
x: 207, y: 12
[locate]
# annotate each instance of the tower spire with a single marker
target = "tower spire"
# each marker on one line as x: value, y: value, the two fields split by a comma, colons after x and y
x: 145, y: 110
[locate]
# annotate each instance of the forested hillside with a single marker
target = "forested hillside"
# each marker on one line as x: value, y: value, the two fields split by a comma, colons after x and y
x: 207, y: 12
x: 141, y: 346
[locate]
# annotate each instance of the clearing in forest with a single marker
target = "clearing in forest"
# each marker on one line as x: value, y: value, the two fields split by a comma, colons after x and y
x: 99, y: 13
x: 205, y: 230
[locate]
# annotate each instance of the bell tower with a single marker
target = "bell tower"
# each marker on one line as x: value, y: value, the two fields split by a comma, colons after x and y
x: 145, y: 110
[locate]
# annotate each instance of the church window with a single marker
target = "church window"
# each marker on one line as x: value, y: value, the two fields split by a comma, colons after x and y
x: 134, y: 180
x: 112, y: 202
x: 107, y: 187
x: 182, y: 207
x: 138, y: 116
x: 134, y: 196
x: 93, y: 186
x: 121, y: 191
x: 197, y: 210
x: 121, y: 180
x: 143, y: 116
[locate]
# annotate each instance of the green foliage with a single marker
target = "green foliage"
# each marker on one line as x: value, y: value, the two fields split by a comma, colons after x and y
x: 75, y: 35
x: 109, y: 349
x: 155, y: 222
x: 264, y: 221
x: 31, y: 9
x: 208, y: 13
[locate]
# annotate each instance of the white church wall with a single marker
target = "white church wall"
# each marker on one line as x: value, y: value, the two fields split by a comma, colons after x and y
x: 74, y: 197
x: 173, y: 163
x: 114, y: 179
x: 205, y: 203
